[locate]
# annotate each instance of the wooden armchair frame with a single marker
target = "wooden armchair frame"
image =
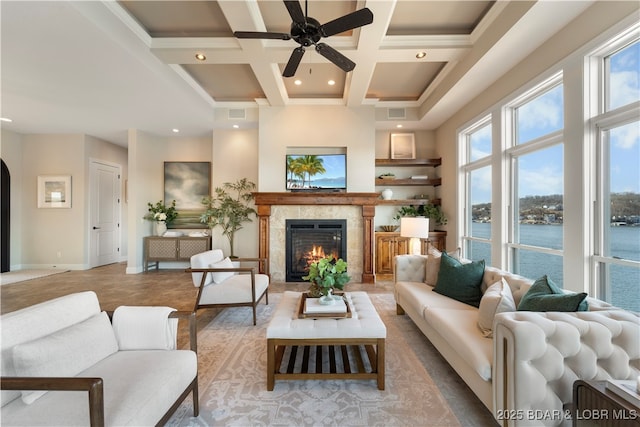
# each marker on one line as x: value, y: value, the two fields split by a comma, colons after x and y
x: 95, y: 386
x: 262, y: 268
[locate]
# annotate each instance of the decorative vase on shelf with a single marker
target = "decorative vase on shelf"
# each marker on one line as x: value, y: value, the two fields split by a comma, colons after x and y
x: 161, y: 228
x: 387, y: 193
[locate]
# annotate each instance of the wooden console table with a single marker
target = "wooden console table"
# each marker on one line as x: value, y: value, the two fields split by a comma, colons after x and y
x: 169, y: 249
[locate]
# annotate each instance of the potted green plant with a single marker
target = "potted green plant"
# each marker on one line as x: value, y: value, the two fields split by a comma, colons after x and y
x: 162, y: 215
x: 325, y: 275
x: 429, y: 210
x: 229, y: 208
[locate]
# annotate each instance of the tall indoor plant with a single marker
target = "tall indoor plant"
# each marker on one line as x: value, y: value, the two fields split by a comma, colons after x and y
x: 229, y: 208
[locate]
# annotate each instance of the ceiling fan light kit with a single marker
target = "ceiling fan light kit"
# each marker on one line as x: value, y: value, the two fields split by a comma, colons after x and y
x: 307, y: 31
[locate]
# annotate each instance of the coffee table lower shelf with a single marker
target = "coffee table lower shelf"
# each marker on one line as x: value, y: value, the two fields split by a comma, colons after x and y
x: 325, y: 359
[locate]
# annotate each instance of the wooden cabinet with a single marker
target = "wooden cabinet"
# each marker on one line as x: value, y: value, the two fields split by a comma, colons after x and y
x: 390, y: 244
x: 423, y: 164
x: 169, y: 249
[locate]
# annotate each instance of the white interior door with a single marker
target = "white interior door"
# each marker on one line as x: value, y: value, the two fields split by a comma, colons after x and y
x: 104, y: 198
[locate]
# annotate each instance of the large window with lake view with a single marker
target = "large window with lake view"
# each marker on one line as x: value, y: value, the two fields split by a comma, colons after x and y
x: 564, y: 174
x: 536, y: 155
x: 477, y: 175
x: 616, y: 127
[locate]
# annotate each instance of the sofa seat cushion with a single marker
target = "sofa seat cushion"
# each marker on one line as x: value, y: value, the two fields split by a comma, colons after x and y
x: 462, y: 333
x: 139, y: 387
x: 420, y: 297
x: 235, y: 289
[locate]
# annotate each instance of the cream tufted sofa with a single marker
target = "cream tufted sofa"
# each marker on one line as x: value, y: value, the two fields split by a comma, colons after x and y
x: 525, y: 373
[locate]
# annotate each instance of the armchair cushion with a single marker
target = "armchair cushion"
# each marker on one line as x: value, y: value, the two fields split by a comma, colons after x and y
x: 204, y: 260
x: 236, y: 289
x: 221, y: 276
x: 145, y: 328
x: 65, y: 353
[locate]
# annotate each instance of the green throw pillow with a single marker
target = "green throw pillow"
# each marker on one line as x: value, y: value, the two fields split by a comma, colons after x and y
x: 460, y: 281
x: 544, y: 295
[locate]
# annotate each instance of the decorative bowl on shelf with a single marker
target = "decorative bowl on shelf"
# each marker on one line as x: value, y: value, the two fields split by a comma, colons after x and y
x: 387, y: 176
x: 388, y: 227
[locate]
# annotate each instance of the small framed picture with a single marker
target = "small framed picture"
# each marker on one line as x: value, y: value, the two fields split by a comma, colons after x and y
x: 54, y: 191
x: 403, y: 146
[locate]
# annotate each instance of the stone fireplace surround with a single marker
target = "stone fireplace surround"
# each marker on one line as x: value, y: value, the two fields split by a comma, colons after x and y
x: 357, y: 208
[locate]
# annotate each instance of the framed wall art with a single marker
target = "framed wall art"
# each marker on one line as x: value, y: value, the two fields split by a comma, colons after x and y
x: 187, y: 183
x: 54, y: 191
x: 403, y: 146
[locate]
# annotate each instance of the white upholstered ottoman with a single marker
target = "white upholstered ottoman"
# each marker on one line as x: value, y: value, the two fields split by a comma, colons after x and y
x: 325, y: 348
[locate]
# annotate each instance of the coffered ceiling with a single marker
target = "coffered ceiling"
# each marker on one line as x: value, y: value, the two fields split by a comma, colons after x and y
x: 467, y: 46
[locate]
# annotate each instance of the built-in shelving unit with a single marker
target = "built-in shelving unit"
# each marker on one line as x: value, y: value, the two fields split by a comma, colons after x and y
x: 394, y: 182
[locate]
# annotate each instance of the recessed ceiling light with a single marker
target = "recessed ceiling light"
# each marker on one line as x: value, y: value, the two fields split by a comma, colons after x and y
x: 236, y: 126
x: 200, y: 56
x: 398, y: 126
x: 175, y: 130
x: 5, y: 119
x: 421, y: 55
x: 331, y: 82
x: 298, y: 82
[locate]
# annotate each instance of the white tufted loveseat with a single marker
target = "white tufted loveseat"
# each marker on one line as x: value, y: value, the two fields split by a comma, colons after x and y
x: 525, y: 373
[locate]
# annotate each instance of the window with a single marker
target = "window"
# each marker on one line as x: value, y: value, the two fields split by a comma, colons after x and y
x: 477, y: 183
x: 573, y: 141
x: 616, y: 257
x: 537, y: 182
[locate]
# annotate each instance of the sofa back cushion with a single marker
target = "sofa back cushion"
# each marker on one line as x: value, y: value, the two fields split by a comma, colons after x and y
x: 65, y: 353
x: 40, y: 320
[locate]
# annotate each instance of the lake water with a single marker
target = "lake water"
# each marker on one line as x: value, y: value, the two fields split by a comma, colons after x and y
x: 625, y: 243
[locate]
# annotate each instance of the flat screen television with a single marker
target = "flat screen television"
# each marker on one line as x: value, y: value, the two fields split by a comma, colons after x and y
x: 316, y: 172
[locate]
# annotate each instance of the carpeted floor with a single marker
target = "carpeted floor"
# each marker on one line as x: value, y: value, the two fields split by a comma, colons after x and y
x: 23, y: 275
x: 232, y: 355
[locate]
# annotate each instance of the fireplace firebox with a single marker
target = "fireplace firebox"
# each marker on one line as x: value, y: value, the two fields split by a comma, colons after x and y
x: 308, y: 240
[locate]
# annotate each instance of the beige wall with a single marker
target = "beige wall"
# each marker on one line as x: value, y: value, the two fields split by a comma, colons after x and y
x: 43, y: 237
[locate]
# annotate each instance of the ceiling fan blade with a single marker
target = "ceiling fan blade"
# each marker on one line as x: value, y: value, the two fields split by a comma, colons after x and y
x: 295, y: 10
x: 261, y: 35
x: 294, y: 61
x: 336, y: 57
x: 347, y: 22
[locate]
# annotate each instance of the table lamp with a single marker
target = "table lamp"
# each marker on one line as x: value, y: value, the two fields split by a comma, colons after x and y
x: 415, y: 228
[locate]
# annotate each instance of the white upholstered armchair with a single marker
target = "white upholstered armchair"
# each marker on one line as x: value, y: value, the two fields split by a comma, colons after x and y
x: 223, y: 284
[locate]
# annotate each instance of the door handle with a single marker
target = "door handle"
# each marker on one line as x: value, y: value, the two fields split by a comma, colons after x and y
x: 96, y: 228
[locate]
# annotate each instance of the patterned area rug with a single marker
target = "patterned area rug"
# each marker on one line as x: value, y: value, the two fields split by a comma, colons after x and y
x: 22, y: 275
x: 233, y: 390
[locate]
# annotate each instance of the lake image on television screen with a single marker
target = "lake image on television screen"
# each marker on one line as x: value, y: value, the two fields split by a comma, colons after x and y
x: 317, y: 171
x: 625, y: 244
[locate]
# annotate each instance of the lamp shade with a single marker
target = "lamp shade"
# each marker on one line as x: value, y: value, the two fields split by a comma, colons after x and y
x: 414, y: 227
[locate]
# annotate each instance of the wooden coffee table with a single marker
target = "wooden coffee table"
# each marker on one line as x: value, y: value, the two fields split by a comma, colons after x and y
x: 325, y: 348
